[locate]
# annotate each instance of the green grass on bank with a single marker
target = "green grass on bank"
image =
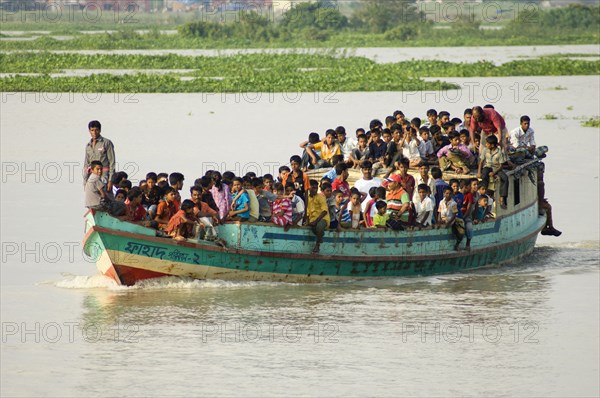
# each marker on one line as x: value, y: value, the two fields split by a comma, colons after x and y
x: 261, y: 72
x: 128, y: 39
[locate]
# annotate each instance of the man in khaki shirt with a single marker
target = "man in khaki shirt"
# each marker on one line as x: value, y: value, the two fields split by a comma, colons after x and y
x: 102, y: 150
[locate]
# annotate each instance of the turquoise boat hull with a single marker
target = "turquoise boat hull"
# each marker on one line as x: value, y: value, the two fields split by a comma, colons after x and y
x: 129, y: 253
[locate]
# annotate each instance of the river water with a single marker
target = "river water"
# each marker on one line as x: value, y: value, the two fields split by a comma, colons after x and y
x: 528, y: 329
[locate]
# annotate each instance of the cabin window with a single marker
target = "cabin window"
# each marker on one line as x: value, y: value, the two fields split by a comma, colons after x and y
x: 517, y: 191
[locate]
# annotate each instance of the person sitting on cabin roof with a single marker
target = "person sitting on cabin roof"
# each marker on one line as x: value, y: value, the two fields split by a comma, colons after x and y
x: 447, y: 217
x: 361, y: 153
x: 317, y: 214
x: 282, y: 208
x: 521, y: 141
x: 455, y: 156
x: 410, y: 147
x: 432, y: 118
x: 346, y: 144
x: 328, y: 148
x: 443, y: 120
x: 377, y: 150
x: 331, y: 174
x: 426, y: 147
x: 491, y: 165
x: 309, y: 161
x: 438, y: 140
x: 181, y: 225
x: 423, y: 206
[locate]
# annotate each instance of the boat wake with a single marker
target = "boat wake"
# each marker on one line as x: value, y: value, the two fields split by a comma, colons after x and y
x: 584, y: 244
x: 165, y: 283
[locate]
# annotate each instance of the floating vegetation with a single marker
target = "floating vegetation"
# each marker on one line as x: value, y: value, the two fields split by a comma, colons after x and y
x: 591, y: 122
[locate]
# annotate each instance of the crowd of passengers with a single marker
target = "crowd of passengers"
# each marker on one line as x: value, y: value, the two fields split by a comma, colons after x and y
x: 397, y: 200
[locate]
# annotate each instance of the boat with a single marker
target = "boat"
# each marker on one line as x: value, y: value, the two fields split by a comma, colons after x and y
x: 129, y: 253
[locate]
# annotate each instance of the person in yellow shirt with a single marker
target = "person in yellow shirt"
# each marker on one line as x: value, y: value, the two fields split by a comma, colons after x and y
x: 317, y: 213
x: 328, y: 149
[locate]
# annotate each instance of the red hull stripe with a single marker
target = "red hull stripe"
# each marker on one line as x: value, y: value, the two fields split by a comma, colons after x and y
x: 129, y: 276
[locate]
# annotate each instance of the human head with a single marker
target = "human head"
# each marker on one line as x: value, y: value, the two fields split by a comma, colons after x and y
x: 367, y: 169
x: 375, y: 124
x: 120, y: 195
x: 436, y: 131
x: 483, y: 201
x: 381, y: 207
x: 339, y: 196
x: 94, y: 128
x: 432, y: 116
x: 290, y: 188
x: 340, y: 133
x: 295, y: 162
x: 176, y: 180
x: 313, y: 138
x: 424, y: 131
x: 187, y: 206
x: 355, y: 198
x: 403, y: 166
x: 362, y: 140
x: 376, y: 135
x: 258, y: 185
x: 447, y: 193
x: 360, y: 131
x: 284, y: 172
x: 330, y: 136
x: 96, y: 167
x: 467, y: 114
x: 464, y: 137
x: 444, y: 117
x: 525, y: 122
x: 477, y: 114
x: 386, y: 135
x: 135, y: 196
x: 326, y: 189
x: 196, y: 193
x: 415, y: 122
x: 491, y: 142
x: 398, y: 116
x: 314, y: 187
x: 341, y: 169
x: 236, y: 184
x: 424, y: 170
x: 436, y: 172
x: 454, y: 184
x: 389, y: 120
x: 423, y: 190
x: 454, y: 138
x: 278, y: 188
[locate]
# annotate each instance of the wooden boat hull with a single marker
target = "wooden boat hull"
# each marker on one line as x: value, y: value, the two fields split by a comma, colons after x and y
x: 129, y: 253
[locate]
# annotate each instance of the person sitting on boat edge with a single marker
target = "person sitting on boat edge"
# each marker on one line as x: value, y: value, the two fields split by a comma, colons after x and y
x: 298, y: 206
x: 135, y: 212
x: 351, y: 211
x: 317, y: 214
x: 381, y: 218
x: 265, y: 199
x: 367, y: 181
x: 469, y: 191
x: 361, y: 153
x: 282, y: 208
x: 181, y: 225
x: 398, y: 203
x: 206, y: 216
x: 96, y: 197
x: 341, y: 181
x: 423, y: 206
x: 240, y: 206
x: 448, y: 217
x: 166, y: 208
